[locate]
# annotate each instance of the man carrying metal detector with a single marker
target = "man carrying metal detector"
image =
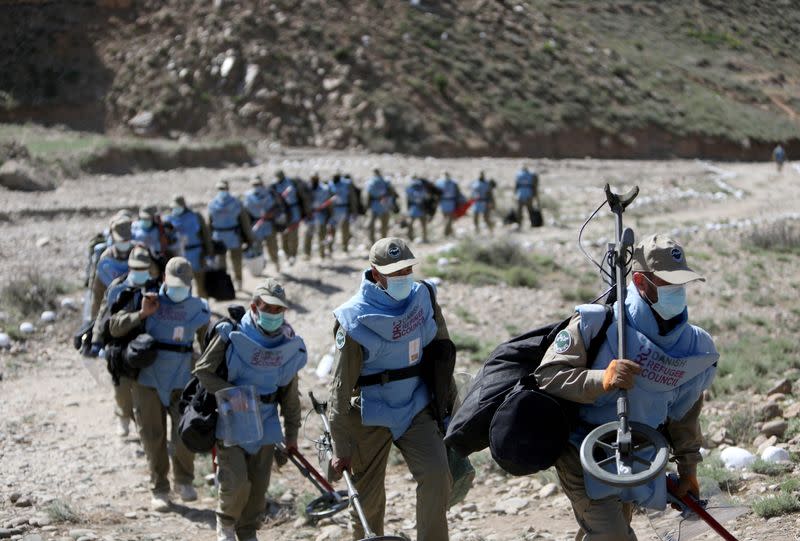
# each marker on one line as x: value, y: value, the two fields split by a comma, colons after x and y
x: 325, y: 446
x: 646, y: 380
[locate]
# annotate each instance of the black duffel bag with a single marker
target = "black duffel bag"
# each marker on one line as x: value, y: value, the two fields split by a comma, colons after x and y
x: 219, y: 285
x: 141, y: 351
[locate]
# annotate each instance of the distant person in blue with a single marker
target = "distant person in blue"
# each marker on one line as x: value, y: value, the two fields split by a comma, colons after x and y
x: 449, y: 201
x: 417, y: 197
x: 230, y: 227
x: 291, y: 192
x: 318, y: 221
x: 263, y: 205
x: 526, y: 190
x: 381, y: 203
x: 113, y: 261
x: 482, y: 194
x: 194, y: 237
x: 343, y: 207
x: 779, y: 155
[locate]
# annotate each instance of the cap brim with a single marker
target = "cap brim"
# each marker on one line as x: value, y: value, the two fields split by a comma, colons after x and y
x: 139, y: 266
x: 174, y: 281
x: 679, y: 277
x: 275, y: 301
x: 396, y: 266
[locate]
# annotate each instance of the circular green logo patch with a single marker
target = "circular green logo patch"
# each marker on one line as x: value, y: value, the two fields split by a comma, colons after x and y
x: 563, y: 341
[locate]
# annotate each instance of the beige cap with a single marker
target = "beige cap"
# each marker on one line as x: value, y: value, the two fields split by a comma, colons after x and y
x: 178, y: 201
x: 147, y: 212
x: 121, y: 229
x: 256, y: 181
x: 271, y: 292
x: 222, y: 185
x: 139, y: 258
x: 665, y: 258
x: 391, y: 254
x: 178, y: 273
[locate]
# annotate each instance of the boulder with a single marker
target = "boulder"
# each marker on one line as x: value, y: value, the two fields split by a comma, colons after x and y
x: 143, y: 123
x: 775, y: 454
x: 783, y: 386
x: 776, y: 427
x: 22, y: 176
x: 736, y: 458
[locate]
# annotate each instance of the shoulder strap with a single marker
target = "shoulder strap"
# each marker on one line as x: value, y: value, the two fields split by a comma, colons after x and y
x: 432, y: 294
x: 594, y: 346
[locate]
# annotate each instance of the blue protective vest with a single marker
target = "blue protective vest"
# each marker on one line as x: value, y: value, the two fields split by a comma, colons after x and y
x: 265, y: 362
x: 379, y: 196
x: 149, y: 237
x: 258, y: 202
x: 288, y: 191
x: 319, y: 196
x: 525, y: 185
x: 188, y: 226
x: 676, y: 369
x: 224, y: 215
x: 341, y: 201
x: 416, y: 195
x: 176, y: 324
x: 480, y: 193
x: 110, y: 267
x: 449, y: 199
x: 392, y: 334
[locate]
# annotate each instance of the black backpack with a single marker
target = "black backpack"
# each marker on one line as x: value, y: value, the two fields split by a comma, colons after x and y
x: 197, y: 427
x: 509, y: 367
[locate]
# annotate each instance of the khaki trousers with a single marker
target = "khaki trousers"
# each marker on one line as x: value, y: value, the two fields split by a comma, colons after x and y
x: 384, y: 220
x: 200, y: 283
x: 344, y: 227
x: 123, y: 398
x: 522, y: 205
x: 151, y: 419
x: 290, y: 241
x: 448, y: 224
x: 321, y: 230
x: 236, y: 263
x: 271, y: 244
x: 243, y: 483
x: 608, y: 519
x: 424, y: 451
x: 423, y: 220
x: 487, y: 217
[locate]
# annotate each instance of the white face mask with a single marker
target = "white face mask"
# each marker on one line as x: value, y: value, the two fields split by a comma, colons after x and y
x: 399, y: 287
x: 671, y: 300
x: 123, y: 246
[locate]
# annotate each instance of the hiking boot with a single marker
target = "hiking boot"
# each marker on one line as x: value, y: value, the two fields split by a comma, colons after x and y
x: 225, y: 533
x: 239, y: 285
x: 251, y: 538
x: 186, y: 492
x: 123, y: 427
x: 160, y: 502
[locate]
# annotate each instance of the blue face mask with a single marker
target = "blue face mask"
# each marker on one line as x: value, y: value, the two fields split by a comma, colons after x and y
x: 177, y: 211
x: 177, y: 293
x: 399, y: 287
x: 270, y: 322
x: 145, y: 224
x: 138, y: 277
x: 222, y: 194
x: 671, y: 300
x: 123, y: 246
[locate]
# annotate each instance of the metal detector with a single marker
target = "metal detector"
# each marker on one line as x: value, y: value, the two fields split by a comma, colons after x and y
x: 623, y: 453
x: 325, y: 446
x: 331, y: 500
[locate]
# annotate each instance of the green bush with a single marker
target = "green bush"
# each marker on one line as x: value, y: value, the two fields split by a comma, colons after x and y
x: 61, y: 511
x: 748, y: 360
x: 713, y: 468
x: 779, y: 236
x: 776, y: 505
x: 741, y: 426
x: 769, y: 468
x: 30, y: 293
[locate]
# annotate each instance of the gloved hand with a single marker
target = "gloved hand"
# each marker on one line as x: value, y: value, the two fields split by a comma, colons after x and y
x: 94, y: 351
x: 336, y: 466
x: 620, y: 374
x: 687, y: 483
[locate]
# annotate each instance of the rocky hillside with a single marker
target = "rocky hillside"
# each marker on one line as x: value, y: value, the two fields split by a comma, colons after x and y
x: 608, y: 78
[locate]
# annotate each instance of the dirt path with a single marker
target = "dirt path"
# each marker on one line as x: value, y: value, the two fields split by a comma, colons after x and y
x: 57, y: 439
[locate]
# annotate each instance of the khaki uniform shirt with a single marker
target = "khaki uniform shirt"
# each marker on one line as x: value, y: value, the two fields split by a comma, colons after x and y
x: 349, y: 360
x: 567, y: 375
x: 288, y: 395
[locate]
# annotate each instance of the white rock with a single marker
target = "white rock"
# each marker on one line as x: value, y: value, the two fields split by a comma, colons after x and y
x: 548, y: 490
x: 48, y: 316
x: 26, y: 327
x: 736, y: 458
x: 227, y: 66
x: 442, y: 262
x: 435, y: 280
x: 41, y: 242
x: 69, y: 304
x: 5, y: 340
x: 511, y: 506
x: 775, y: 454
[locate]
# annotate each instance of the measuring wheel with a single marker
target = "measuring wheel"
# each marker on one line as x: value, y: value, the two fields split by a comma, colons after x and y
x: 624, y: 459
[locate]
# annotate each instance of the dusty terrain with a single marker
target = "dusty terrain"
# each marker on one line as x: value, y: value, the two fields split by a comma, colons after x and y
x: 57, y: 442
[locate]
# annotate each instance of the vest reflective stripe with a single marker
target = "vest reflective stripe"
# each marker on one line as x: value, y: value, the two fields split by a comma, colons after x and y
x: 109, y: 268
x: 416, y: 200
x: 682, y: 365
x: 378, y: 191
x: 258, y: 202
x: 224, y: 214
x: 524, y: 186
x: 392, y: 334
x: 149, y: 237
x: 173, y: 323
x: 188, y: 226
x: 480, y: 192
x: 341, y: 202
x: 267, y: 364
x: 449, y: 199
